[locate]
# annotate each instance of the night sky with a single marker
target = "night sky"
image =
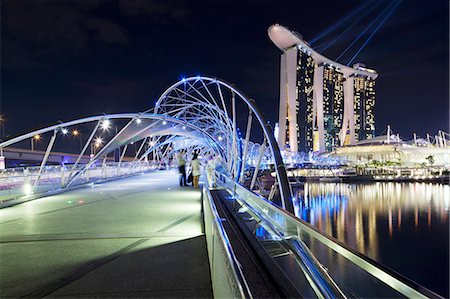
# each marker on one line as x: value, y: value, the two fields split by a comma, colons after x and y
x: 67, y: 60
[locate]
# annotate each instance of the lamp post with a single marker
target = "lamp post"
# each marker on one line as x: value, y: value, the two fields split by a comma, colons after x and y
x: 33, y: 139
x: 95, y: 145
x: 2, y: 127
x: 76, y: 133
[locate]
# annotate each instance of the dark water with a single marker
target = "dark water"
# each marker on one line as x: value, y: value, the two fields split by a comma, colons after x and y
x: 404, y: 226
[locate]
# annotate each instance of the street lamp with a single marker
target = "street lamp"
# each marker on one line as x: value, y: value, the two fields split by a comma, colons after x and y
x: 97, y: 143
x: 76, y: 133
x: 33, y: 139
x: 2, y: 127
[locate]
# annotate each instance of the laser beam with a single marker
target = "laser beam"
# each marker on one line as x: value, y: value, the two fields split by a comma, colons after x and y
x: 365, y: 30
x: 337, y: 24
x: 375, y: 31
x: 362, y: 16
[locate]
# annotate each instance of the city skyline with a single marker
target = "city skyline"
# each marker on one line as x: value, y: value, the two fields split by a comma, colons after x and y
x: 118, y: 56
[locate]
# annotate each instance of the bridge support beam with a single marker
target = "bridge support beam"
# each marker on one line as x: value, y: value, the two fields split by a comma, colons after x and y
x: 262, y: 149
x: 44, y: 161
x: 247, y: 139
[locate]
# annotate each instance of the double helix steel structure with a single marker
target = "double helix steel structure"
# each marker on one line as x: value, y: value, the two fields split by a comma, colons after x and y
x: 195, y: 114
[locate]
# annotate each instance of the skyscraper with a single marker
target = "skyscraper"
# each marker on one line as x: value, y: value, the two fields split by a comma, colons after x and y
x: 323, y: 104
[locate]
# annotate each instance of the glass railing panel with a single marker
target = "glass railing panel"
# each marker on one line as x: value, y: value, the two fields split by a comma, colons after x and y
x: 354, y: 273
x: 20, y: 182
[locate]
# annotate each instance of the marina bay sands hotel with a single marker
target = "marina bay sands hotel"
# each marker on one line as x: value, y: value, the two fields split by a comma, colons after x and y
x: 323, y: 104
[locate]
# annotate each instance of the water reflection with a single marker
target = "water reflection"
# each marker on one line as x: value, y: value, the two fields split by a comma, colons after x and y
x: 383, y: 220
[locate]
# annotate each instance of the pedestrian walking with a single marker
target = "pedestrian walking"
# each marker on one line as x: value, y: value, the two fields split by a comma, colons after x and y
x: 182, y: 168
x: 210, y: 171
x: 195, y: 168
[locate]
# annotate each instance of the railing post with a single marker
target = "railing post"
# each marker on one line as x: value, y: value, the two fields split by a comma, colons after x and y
x: 87, y: 172
x: 104, y: 167
x: 62, y: 176
x: 26, y: 179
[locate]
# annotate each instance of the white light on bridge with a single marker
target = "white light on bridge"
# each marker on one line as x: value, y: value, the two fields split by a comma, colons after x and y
x: 105, y: 124
x: 164, y: 122
x: 98, y: 141
x: 138, y: 120
x: 64, y: 131
x: 27, y: 189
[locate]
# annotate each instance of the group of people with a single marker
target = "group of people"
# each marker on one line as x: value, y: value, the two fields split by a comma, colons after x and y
x: 195, y: 170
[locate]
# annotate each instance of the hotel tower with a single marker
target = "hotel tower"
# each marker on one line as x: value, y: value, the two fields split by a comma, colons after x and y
x: 323, y: 104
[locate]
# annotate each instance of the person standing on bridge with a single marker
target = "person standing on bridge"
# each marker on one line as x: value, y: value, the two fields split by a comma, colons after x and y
x: 182, y: 168
x: 210, y: 171
x: 195, y: 168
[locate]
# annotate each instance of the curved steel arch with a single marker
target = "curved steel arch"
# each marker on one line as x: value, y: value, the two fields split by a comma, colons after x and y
x: 198, y: 103
x: 173, y: 126
x: 177, y: 101
x: 131, y: 116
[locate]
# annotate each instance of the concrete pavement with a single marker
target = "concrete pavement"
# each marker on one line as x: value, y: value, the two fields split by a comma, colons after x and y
x: 137, y: 237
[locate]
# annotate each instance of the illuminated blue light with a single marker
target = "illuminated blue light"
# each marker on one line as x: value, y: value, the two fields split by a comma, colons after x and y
x: 389, y: 7
x: 374, y: 31
x: 339, y: 23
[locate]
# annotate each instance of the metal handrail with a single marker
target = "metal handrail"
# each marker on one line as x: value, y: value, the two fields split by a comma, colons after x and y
x: 232, y: 260
x: 322, y: 284
x: 394, y: 280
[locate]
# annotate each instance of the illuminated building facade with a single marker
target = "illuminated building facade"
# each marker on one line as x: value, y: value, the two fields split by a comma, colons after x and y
x: 323, y: 104
x: 305, y: 73
x: 333, y: 105
x: 364, y: 102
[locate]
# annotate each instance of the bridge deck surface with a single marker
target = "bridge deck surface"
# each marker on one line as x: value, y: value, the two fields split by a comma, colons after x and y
x: 137, y: 237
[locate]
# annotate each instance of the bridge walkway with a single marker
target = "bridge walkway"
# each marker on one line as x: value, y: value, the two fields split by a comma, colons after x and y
x: 138, y: 237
